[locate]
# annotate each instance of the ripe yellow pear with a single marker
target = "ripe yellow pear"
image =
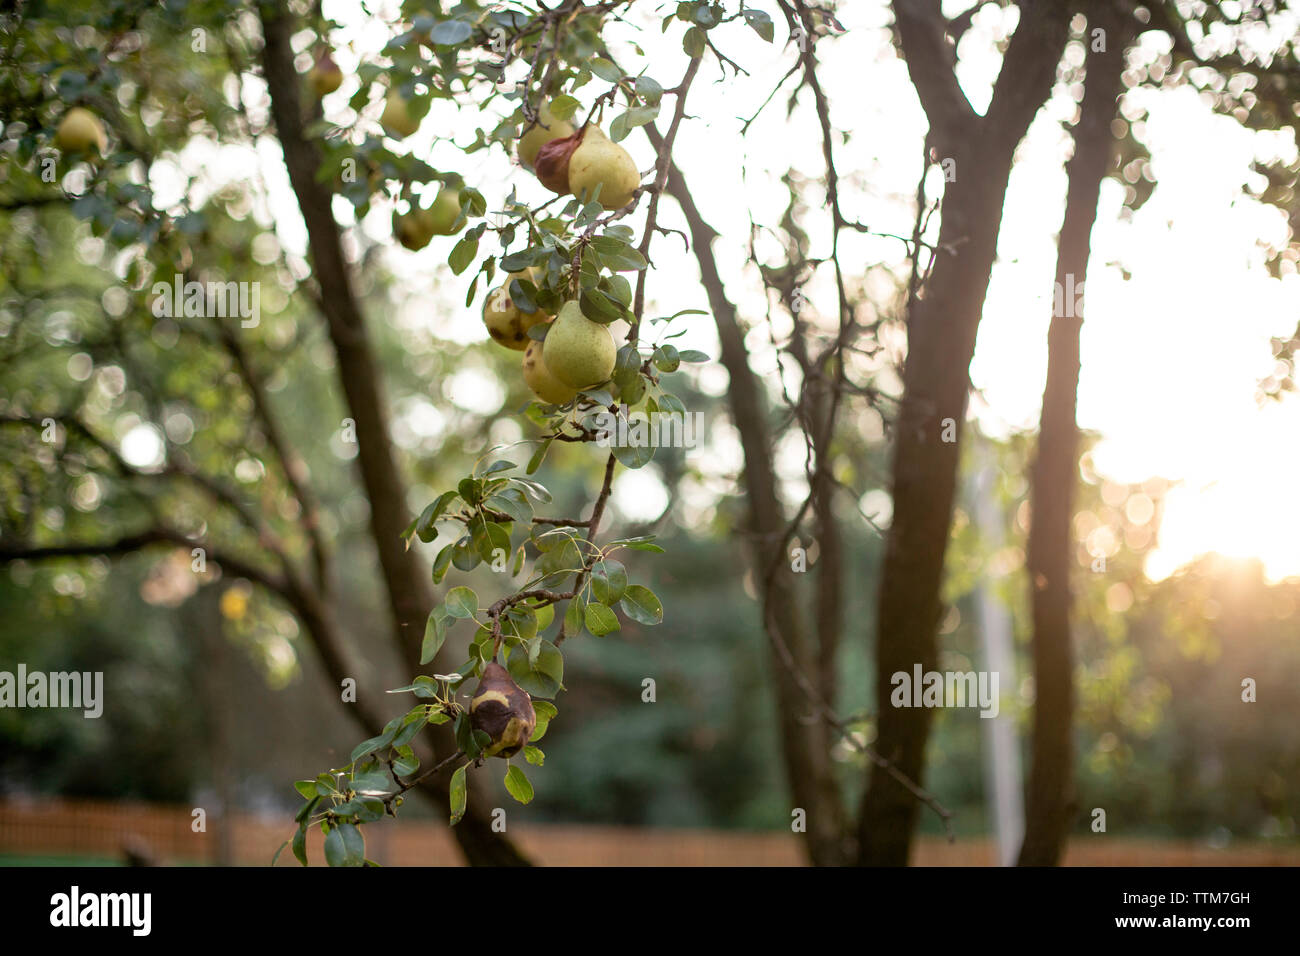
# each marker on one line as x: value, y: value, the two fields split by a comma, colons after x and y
x: 598, y: 161
x: 444, y: 211
x: 547, y: 129
x: 325, y: 76
x: 539, y: 378
x: 396, y: 118
x: 505, y: 321
x: 79, y: 130
x: 578, y: 351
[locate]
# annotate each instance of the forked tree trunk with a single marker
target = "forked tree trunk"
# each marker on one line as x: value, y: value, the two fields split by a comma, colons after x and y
x: 941, y: 341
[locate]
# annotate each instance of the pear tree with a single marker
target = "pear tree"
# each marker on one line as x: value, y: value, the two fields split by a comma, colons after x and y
x: 572, y: 276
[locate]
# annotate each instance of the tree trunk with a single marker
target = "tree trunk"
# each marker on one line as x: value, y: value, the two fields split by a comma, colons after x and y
x: 936, y: 381
x: 1050, y: 793
x: 409, y: 588
x: 804, y: 737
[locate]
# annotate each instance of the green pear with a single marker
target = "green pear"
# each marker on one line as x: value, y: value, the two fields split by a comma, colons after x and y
x: 578, y: 351
x: 502, y: 710
x: 445, y: 211
x: 600, y: 162
x: 413, y: 229
x: 547, y: 129
x: 397, y: 118
x: 506, y: 322
x: 539, y: 378
x: 79, y: 130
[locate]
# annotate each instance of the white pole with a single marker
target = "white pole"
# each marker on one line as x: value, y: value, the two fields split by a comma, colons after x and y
x: 1003, y: 780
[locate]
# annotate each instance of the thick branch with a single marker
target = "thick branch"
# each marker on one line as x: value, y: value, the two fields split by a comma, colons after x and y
x: 931, y: 63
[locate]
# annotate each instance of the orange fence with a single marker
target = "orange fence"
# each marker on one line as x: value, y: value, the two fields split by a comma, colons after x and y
x: 111, y: 831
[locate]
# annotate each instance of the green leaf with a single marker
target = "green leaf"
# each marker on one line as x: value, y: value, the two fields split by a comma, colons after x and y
x: 435, y: 633
x: 627, y: 365
x: 450, y: 33
x: 442, y: 563
x: 307, y: 787
x: 600, y: 620
x: 464, y: 556
x: 540, y: 678
x: 300, y: 844
x: 666, y: 358
x: 599, y: 307
x: 619, y: 129
x: 691, y: 355
x: 564, y: 106
x: 422, y: 686
x: 464, y: 733
x: 617, y: 255
x: 406, y: 762
x: 624, y: 123
x: 518, y: 261
x: 424, y: 525
x: 618, y: 289
x: 648, y: 88
x: 534, y: 756
x: 632, y: 456
x: 632, y: 391
x: 462, y: 254
x: 562, y: 555
x: 371, y: 782
x: 538, y: 457
x: 545, y: 712
x: 642, y: 606
x: 707, y: 15
x: 608, y: 582
x: 472, y: 203
x: 760, y: 23
x: 459, y: 795
x: 693, y: 42
x: 345, y: 846
x: 606, y: 70
x: 461, y: 603
x: 511, y: 501
x: 471, y: 490
x: 520, y: 622
x: 672, y: 405
x: 574, y: 616
x: 488, y: 537
x: 517, y: 785
x: 305, y: 811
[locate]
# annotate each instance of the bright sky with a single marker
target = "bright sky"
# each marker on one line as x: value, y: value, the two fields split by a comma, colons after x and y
x: 1171, y: 357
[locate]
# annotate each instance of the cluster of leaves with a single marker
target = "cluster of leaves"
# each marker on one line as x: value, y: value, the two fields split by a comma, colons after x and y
x: 45, y: 70
x: 371, y: 785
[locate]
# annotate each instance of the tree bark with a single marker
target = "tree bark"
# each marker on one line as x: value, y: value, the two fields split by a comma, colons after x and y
x: 804, y: 749
x: 936, y: 380
x: 408, y: 586
x: 1050, y: 803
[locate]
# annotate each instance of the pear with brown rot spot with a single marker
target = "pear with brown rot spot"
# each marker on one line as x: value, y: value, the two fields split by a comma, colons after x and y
x: 502, y: 710
x: 552, y: 162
